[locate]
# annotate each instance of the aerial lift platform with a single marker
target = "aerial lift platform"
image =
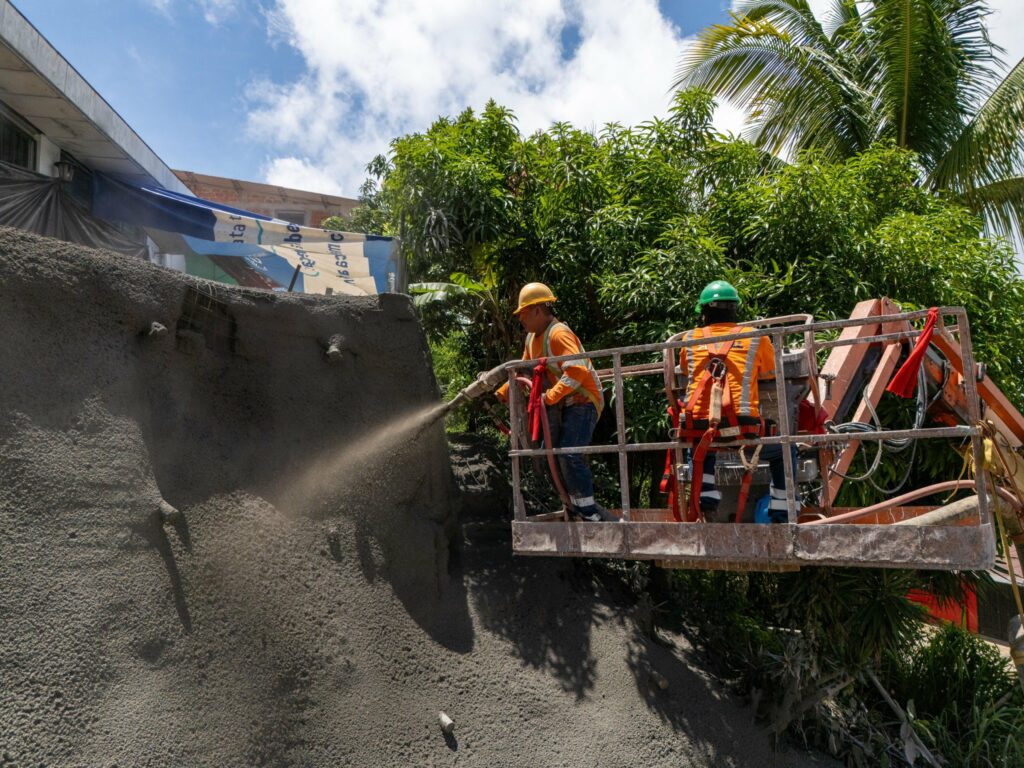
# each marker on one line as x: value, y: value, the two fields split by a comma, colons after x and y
x: 860, y: 355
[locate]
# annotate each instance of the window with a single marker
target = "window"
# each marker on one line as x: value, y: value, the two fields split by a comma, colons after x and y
x: 17, y: 144
x: 292, y: 217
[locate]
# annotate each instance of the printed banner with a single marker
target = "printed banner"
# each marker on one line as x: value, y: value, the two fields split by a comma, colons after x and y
x: 254, y: 250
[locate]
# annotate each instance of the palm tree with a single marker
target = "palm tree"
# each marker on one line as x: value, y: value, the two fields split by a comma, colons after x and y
x: 922, y: 73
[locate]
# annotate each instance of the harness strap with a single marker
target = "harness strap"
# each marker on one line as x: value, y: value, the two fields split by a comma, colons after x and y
x: 669, y: 480
x: 703, y: 383
x: 666, y: 476
x: 719, y: 352
x: 699, y: 453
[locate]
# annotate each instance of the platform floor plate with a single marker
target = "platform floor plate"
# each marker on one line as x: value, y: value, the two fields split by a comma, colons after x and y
x: 944, y: 547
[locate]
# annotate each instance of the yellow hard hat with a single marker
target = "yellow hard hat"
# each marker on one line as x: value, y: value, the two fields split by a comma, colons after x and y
x: 534, y: 293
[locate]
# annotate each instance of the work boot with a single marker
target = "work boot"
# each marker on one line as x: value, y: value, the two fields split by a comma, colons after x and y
x: 595, y: 514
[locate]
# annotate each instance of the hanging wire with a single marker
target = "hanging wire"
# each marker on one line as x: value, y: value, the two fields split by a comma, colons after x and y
x: 893, y: 446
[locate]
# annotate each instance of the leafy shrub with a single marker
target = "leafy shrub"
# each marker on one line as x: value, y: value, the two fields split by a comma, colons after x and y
x: 626, y: 224
x: 965, y: 697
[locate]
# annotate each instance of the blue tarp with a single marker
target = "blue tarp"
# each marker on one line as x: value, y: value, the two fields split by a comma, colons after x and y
x: 344, y: 262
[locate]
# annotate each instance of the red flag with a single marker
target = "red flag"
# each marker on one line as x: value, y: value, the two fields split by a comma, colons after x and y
x: 904, y: 381
x: 811, y: 418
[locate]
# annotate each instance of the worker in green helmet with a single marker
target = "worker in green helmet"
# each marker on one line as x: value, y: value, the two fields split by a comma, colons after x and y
x: 740, y: 363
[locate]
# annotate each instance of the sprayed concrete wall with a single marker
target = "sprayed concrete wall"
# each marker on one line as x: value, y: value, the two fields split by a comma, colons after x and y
x: 235, y: 415
x: 307, y: 609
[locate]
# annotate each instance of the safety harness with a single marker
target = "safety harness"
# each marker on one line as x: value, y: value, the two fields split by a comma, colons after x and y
x: 712, y: 388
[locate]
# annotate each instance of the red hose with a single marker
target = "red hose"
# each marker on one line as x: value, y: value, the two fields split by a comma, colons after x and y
x: 552, y: 464
x: 694, y: 514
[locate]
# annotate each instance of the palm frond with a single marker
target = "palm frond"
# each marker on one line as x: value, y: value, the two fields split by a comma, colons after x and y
x: 793, y: 18
x: 1001, y: 204
x: 429, y: 293
x: 831, y: 114
x: 991, y: 146
x: 931, y: 62
x: 793, y: 92
x: 841, y: 19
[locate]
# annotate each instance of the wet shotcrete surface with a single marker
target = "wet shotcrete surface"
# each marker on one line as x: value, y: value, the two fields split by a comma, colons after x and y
x: 321, y: 599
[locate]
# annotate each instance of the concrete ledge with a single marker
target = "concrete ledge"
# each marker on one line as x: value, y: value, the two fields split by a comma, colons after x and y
x: 579, y: 539
x: 952, y: 547
x: 775, y: 547
x: 714, y: 541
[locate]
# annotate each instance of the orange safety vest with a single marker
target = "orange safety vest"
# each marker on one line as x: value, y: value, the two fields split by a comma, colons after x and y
x: 575, y: 379
x: 744, y: 360
x: 736, y: 364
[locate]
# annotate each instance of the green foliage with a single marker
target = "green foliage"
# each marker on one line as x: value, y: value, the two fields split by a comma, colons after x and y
x: 335, y: 223
x: 856, y: 615
x: 473, y: 308
x: 921, y: 73
x: 369, y: 217
x: 955, y: 669
x: 626, y: 225
x: 799, y: 646
x: 820, y: 236
x: 448, y: 355
x: 965, y: 699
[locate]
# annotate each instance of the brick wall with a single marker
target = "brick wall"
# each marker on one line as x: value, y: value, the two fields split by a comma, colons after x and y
x: 296, y: 205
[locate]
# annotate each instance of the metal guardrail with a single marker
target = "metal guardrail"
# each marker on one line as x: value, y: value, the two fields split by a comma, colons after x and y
x: 786, y: 436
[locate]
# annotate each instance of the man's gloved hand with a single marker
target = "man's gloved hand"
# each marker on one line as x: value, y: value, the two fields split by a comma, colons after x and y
x: 485, y: 383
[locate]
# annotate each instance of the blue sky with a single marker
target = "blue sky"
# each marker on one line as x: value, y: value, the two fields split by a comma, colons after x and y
x: 187, y: 74
x: 304, y: 93
x: 176, y: 78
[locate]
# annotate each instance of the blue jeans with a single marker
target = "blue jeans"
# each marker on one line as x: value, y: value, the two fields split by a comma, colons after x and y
x: 576, y: 429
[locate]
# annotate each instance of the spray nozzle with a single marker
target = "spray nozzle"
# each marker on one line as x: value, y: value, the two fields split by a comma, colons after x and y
x: 485, y: 383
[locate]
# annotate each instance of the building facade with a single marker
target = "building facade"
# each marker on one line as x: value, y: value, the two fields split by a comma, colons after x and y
x: 296, y: 206
x: 71, y: 168
x: 49, y: 114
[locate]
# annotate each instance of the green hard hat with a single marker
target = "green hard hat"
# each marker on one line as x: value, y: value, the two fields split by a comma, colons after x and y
x: 717, y: 290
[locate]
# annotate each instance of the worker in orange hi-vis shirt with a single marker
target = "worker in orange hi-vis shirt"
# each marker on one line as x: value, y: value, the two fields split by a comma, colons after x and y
x: 573, y: 386
x: 741, y: 362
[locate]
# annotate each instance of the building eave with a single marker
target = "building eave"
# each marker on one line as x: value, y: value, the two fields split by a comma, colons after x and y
x: 43, y: 88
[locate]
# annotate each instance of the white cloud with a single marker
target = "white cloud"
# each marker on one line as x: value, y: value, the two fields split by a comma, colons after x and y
x: 162, y: 6
x: 1006, y: 26
x: 215, y: 12
x: 377, y: 69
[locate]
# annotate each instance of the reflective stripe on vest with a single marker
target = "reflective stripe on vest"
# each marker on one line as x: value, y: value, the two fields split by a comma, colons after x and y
x: 748, y: 374
x: 689, y: 359
x: 748, y: 367
x: 557, y: 371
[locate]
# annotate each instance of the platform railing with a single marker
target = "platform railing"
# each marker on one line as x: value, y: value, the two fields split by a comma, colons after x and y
x: 786, y: 435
